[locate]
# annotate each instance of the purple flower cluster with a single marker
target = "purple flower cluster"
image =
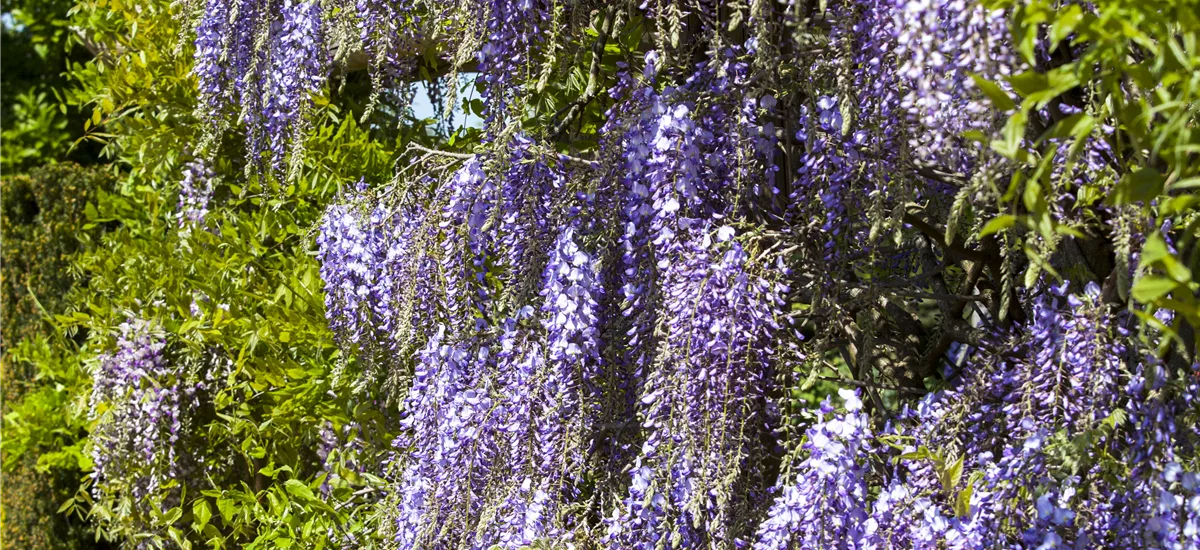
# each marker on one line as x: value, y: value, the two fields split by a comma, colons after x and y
x: 140, y: 402
x: 449, y: 443
x: 703, y: 401
x: 379, y: 283
x: 347, y: 267
x: 269, y: 57
x: 941, y: 43
x: 498, y: 418
x: 389, y: 35
x: 297, y: 71
x: 826, y: 506
x: 908, y: 96
x: 195, y: 192
x: 514, y: 27
x: 212, y: 74
x: 606, y: 355
x: 1068, y: 446
x: 497, y: 430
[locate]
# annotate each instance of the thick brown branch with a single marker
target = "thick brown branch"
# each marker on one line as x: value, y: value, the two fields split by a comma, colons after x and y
x: 872, y: 385
x: 954, y: 251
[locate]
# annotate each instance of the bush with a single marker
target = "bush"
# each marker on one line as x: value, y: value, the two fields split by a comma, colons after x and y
x: 43, y: 222
x: 44, y: 214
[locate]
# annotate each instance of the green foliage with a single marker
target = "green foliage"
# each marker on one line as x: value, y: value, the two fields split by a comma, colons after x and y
x: 31, y: 516
x: 37, y: 46
x: 239, y: 297
x: 41, y: 214
x: 42, y: 220
x: 44, y: 383
x: 37, y: 132
x: 45, y: 431
x: 49, y: 422
x: 1136, y: 65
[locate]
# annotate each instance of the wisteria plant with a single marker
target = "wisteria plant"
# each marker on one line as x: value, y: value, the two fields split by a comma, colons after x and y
x: 756, y: 274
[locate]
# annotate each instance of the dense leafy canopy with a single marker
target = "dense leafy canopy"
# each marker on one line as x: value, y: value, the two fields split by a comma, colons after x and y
x: 851, y: 274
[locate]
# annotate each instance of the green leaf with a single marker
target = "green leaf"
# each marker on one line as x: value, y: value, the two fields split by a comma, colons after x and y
x: 1116, y: 418
x: 228, y: 508
x: 180, y: 541
x: 952, y: 475
x: 1154, y: 251
x: 1140, y: 186
x: 202, y: 513
x: 212, y: 535
x: 1152, y: 287
x: 1064, y: 229
x: 299, y: 490
x: 1029, y: 82
x: 1181, y: 204
x: 1014, y: 133
x: 1024, y: 33
x: 962, y: 503
x: 998, y: 224
x: 1077, y: 126
x: 1064, y: 24
x: 975, y: 136
x: 920, y: 454
x: 1000, y: 98
x: 1042, y: 88
x: 1186, y: 183
x: 1033, y: 198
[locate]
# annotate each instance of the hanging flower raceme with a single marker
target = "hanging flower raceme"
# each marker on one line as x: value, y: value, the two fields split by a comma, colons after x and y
x: 699, y: 474
x: 826, y: 506
x: 550, y: 405
x: 498, y: 419
x: 679, y: 170
x: 942, y: 43
x: 195, y: 192
x: 269, y: 57
x: 297, y: 71
x: 141, y: 403
x: 213, y: 75
x: 379, y: 279
x: 700, y: 318
x: 497, y: 438
x: 514, y: 28
x: 348, y: 269
x: 389, y: 32
x: 449, y: 443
